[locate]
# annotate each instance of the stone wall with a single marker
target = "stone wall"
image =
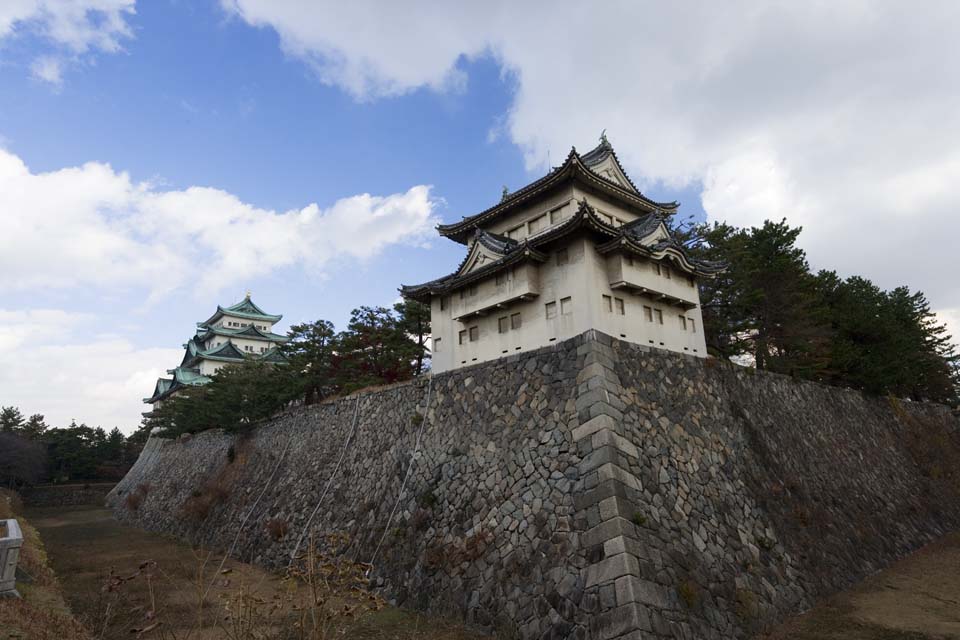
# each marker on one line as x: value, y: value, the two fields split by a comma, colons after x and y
x: 594, y: 489
x: 66, y: 495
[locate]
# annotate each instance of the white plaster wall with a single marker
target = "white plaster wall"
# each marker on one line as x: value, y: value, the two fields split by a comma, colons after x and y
x: 585, y: 280
x: 243, y: 322
x: 210, y: 367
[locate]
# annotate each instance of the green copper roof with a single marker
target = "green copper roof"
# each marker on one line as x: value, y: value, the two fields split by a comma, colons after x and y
x: 274, y: 355
x: 187, y: 376
x: 243, y: 309
x: 250, y: 332
x: 163, y: 385
x: 182, y: 377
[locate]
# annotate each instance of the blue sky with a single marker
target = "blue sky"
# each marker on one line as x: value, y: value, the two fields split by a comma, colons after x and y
x: 115, y: 117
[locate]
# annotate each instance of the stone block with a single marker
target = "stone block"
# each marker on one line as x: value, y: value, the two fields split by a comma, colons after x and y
x: 606, y: 437
x: 609, y: 569
x: 631, y: 619
x: 593, y: 425
x: 609, y: 488
x: 597, y: 370
x: 612, y: 471
x: 630, y: 588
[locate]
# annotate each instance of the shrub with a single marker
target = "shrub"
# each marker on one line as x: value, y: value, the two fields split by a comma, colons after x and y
x: 277, y: 528
x: 639, y: 519
x: 133, y: 501
x: 136, y: 497
x: 746, y: 606
x: 198, y: 506
x: 689, y: 593
x: 427, y: 499
x: 421, y: 520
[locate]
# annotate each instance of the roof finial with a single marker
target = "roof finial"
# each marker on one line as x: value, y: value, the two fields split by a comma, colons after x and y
x: 249, y: 293
x: 504, y: 193
x: 603, y: 138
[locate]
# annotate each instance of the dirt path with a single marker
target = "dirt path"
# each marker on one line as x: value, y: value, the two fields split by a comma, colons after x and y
x: 85, y: 543
x: 917, y: 598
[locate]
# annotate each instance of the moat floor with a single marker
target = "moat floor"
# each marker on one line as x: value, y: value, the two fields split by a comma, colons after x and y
x: 917, y: 598
x: 85, y: 543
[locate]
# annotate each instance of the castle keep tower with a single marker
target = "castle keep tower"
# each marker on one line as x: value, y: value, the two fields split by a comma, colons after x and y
x: 580, y: 248
x: 231, y: 335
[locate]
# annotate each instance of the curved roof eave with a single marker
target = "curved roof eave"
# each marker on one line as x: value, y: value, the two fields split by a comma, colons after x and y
x: 572, y: 168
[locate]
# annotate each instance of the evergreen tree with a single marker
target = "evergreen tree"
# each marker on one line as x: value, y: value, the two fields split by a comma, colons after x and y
x: 375, y: 349
x: 34, y: 427
x: 11, y: 419
x: 414, y: 319
x: 311, y: 353
x: 764, y: 307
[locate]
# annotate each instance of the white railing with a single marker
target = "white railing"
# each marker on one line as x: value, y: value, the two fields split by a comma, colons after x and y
x: 11, y: 539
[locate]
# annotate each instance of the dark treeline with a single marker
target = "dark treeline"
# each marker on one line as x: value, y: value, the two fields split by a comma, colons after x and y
x: 771, y: 310
x: 379, y: 346
x: 31, y: 451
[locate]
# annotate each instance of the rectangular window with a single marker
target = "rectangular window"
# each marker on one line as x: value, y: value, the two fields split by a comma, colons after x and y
x: 515, y: 321
x: 690, y: 280
x: 469, y: 292
x: 683, y: 322
x: 648, y: 313
x: 463, y: 336
x: 629, y: 260
x: 608, y: 304
x: 515, y: 233
x: 659, y: 314
x: 656, y: 267
x: 443, y: 303
x: 693, y: 327
x: 620, y: 308
x: 557, y: 215
x: 566, y: 306
x: 474, y: 333
x: 563, y: 257
x: 436, y: 344
x: 536, y: 224
x: 503, y: 324
x: 551, y: 309
x: 666, y: 272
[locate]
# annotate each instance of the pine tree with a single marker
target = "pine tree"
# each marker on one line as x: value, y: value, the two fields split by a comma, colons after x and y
x: 11, y: 419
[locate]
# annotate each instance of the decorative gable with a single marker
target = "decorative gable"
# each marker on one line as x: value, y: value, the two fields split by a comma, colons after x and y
x: 610, y: 169
x: 477, y: 257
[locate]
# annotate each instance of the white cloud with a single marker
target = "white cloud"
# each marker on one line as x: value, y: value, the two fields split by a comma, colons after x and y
x: 48, y: 69
x: 45, y: 368
x: 75, y: 27
x: 91, y: 226
x: 29, y: 327
x: 842, y: 117
x: 951, y: 318
x: 100, y: 383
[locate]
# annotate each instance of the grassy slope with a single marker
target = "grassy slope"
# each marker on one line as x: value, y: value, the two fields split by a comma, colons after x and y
x: 42, y: 613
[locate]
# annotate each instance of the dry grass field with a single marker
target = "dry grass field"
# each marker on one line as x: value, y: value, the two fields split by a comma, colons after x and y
x: 161, y: 582
x: 917, y: 598
x: 162, y: 599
